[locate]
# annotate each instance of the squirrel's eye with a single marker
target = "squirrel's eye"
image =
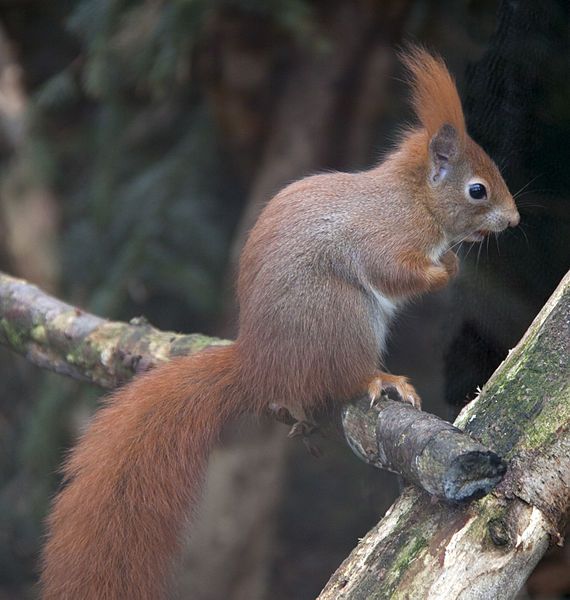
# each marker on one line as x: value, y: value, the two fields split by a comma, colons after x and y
x: 477, y: 191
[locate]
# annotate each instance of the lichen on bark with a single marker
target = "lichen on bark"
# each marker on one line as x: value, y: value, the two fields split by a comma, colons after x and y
x: 488, y: 548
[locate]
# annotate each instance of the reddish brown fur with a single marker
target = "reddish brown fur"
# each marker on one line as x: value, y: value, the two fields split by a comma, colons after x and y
x: 328, y: 262
x: 132, y: 478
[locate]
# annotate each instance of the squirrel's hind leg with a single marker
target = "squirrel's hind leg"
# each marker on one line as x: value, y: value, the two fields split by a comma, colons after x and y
x: 301, y: 426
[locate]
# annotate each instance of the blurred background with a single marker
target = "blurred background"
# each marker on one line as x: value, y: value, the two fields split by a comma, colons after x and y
x: 138, y: 142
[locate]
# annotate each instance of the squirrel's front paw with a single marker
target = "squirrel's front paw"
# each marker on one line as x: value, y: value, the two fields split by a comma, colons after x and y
x: 450, y: 261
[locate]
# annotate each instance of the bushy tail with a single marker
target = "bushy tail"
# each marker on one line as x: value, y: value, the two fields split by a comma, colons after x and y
x: 115, y: 528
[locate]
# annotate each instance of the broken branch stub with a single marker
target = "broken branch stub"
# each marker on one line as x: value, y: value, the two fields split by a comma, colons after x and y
x: 424, y: 449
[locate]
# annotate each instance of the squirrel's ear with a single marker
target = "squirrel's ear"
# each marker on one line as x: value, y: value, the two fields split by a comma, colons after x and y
x: 443, y: 148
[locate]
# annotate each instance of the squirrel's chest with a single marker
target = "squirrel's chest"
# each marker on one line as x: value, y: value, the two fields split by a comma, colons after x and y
x: 382, y: 313
x: 438, y: 251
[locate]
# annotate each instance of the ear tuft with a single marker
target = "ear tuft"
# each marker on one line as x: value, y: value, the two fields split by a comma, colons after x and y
x: 434, y: 94
x: 443, y: 148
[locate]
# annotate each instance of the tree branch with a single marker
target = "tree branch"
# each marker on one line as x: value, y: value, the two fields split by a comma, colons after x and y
x: 486, y: 549
x: 422, y: 448
x: 391, y: 435
x: 62, y: 338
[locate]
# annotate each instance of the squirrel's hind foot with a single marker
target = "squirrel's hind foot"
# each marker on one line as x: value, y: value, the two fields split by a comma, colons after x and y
x: 397, y: 383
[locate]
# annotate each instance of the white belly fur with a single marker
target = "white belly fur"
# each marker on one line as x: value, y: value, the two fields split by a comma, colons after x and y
x: 438, y: 251
x: 384, y: 311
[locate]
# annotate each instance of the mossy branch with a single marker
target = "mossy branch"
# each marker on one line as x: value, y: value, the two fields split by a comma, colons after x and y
x: 488, y: 548
x: 65, y: 339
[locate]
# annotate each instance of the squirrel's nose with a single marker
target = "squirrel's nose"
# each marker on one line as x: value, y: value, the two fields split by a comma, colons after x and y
x: 514, y: 218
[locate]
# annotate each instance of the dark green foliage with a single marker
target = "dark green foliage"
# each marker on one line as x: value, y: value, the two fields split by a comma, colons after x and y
x: 124, y: 135
x: 133, y: 150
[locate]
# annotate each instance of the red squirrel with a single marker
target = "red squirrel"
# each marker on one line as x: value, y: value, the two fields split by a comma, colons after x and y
x: 328, y: 263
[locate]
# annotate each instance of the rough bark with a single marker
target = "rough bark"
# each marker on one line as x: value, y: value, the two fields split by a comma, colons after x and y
x: 423, y: 448
x: 488, y: 548
x: 391, y: 435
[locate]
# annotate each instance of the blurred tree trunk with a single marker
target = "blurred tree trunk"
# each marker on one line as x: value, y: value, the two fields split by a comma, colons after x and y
x: 28, y: 209
x: 28, y: 248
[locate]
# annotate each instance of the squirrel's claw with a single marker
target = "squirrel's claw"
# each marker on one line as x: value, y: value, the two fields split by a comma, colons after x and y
x: 400, y: 385
x: 304, y: 429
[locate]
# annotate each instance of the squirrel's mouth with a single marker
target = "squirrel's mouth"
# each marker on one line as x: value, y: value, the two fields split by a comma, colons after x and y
x: 478, y: 236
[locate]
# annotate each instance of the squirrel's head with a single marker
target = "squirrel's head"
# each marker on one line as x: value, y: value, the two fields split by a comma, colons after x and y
x: 465, y: 187
x: 471, y: 196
